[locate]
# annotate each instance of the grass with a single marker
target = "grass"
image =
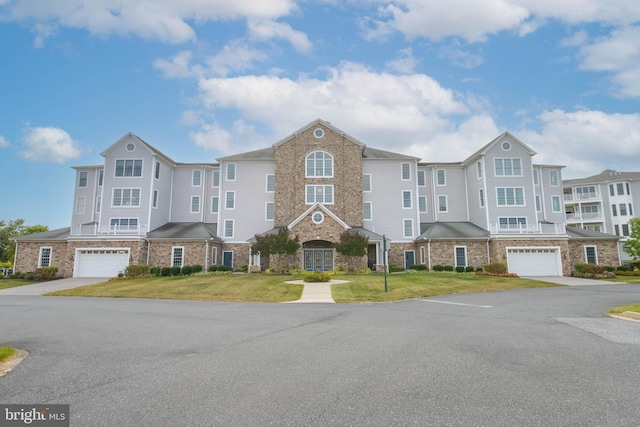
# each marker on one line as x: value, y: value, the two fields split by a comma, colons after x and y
x: 370, y: 288
x: 12, y: 283
x: 234, y: 287
x: 6, y: 353
x: 625, y: 279
x: 266, y: 288
x: 631, y: 307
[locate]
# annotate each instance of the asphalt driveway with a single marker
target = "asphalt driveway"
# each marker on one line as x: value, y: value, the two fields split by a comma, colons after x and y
x: 526, y: 357
x: 52, y: 286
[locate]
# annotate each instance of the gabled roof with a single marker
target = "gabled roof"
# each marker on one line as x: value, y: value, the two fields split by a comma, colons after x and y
x: 59, y: 234
x: 482, y: 151
x: 371, y: 235
x: 148, y: 146
x: 324, y: 209
x: 606, y: 175
x: 185, y: 230
x: 451, y: 230
x: 317, y: 122
x: 581, y: 233
x: 264, y: 154
x: 374, y: 153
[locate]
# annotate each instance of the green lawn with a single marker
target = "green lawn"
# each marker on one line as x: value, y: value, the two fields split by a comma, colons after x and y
x: 267, y: 288
x: 6, y: 352
x: 625, y: 279
x: 12, y: 283
x: 631, y: 307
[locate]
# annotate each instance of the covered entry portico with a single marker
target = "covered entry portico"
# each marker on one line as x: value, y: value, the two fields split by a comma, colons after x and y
x: 318, y: 255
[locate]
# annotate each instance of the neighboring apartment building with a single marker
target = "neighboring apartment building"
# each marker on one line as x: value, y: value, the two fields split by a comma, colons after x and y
x: 142, y: 207
x: 603, y: 202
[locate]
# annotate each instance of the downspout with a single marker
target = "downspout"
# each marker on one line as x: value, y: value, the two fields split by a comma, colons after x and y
x: 15, y: 256
x: 206, y: 255
x: 488, y: 252
x: 204, y: 186
x: 429, y: 252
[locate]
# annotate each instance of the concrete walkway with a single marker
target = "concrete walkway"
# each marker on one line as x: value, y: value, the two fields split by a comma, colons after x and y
x: 571, y: 281
x: 316, y: 292
x: 52, y: 286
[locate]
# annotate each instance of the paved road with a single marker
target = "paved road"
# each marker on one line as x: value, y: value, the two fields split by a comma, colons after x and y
x: 537, y: 357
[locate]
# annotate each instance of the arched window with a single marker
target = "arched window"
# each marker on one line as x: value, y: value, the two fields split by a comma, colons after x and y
x: 319, y: 164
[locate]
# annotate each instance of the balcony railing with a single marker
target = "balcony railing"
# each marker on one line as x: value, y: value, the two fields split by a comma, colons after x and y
x: 539, y: 228
x: 581, y: 197
x: 107, y: 230
x: 585, y: 216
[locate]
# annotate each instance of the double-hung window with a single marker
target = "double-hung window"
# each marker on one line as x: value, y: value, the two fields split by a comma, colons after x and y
x: 406, y: 199
x: 441, y: 177
x: 196, y: 178
x: 367, y: 213
x: 319, y: 194
x: 123, y: 223
x: 231, y: 172
x: 195, y: 204
x: 591, y: 254
x: 408, y: 228
x: 406, y: 171
x: 230, y: 200
x: 82, y: 178
x: 442, y: 204
x: 553, y: 178
x: 366, y: 182
x: 461, y: 256
x: 510, y: 196
x: 125, y: 197
x: 128, y: 168
x: 511, y: 223
x: 270, y: 211
x: 422, y: 180
x: 508, y: 167
x: 271, y: 183
x: 44, y: 260
x: 177, y: 256
x: 555, y: 203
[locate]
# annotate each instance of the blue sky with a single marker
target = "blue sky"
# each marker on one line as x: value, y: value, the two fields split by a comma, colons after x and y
x: 200, y: 79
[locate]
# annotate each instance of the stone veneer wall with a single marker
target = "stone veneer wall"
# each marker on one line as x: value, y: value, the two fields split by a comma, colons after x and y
x: 241, y: 253
x: 397, y: 250
x: 443, y: 252
x: 607, y: 251
x: 290, y: 171
x: 29, y: 252
x: 195, y: 252
x: 499, y: 250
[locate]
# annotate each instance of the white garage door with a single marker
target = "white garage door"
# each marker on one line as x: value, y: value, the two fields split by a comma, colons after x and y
x: 534, y: 261
x: 97, y: 262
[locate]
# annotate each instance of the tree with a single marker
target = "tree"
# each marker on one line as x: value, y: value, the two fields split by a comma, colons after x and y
x: 632, y: 245
x: 352, y: 245
x: 12, y: 229
x: 276, y: 246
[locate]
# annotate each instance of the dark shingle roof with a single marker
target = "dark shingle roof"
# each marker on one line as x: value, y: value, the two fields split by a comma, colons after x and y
x: 604, y: 176
x: 451, y: 230
x: 185, y: 230
x: 581, y: 233
x: 51, y: 235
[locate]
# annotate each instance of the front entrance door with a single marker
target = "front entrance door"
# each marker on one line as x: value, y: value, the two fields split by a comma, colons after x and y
x: 409, y: 259
x: 227, y: 259
x: 318, y: 259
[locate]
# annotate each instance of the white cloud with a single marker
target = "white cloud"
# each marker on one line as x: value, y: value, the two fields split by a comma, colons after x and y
x: 212, y: 137
x: 49, y: 144
x: 3, y: 142
x: 166, y: 21
x: 407, y: 113
x: 618, y: 54
x: 235, y: 56
x: 469, y: 19
x: 178, y: 67
x: 267, y: 30
x: 405, y: 63
x: 587, y: 142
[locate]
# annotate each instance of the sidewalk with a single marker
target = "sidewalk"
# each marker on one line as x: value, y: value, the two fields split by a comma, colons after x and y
x: 316, y: 292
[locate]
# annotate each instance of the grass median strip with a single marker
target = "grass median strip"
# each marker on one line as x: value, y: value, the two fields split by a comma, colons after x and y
x: 12, y: 283
x: 6, y: 353
x: 267, y: 288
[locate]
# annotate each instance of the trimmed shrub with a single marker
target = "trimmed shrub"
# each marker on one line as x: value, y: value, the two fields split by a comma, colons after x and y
x: 608, y: 268
x: 394, y: 268
x: 496, y: 268
x: 460, y: 269
x: 135, y: 270
x: 579, y: 267
x: 212, y: 268
x: 479, y: 270
x: 469, y: 269
x: 196, y: 268
x: 165, y: 271
x: 448, y: 268
x: 175, y: 271
x: 316, y: 276
x: 438, y: 267
x: 155, y: 271
x: 365, y: 270
x: 418, y: 267
x: 187, y: 270
x: 623, y: 268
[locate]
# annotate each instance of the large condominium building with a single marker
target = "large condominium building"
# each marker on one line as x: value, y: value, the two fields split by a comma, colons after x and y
x: 603, y: 202
x: 142, y: 207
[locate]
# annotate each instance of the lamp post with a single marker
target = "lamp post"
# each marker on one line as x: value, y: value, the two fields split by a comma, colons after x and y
x: 384, y: 260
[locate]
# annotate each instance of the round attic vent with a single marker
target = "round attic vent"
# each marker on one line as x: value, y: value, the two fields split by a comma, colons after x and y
x: 317, y: 218
x: 318, y: 133
x: 131, y: 146
x: 506, y: 146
